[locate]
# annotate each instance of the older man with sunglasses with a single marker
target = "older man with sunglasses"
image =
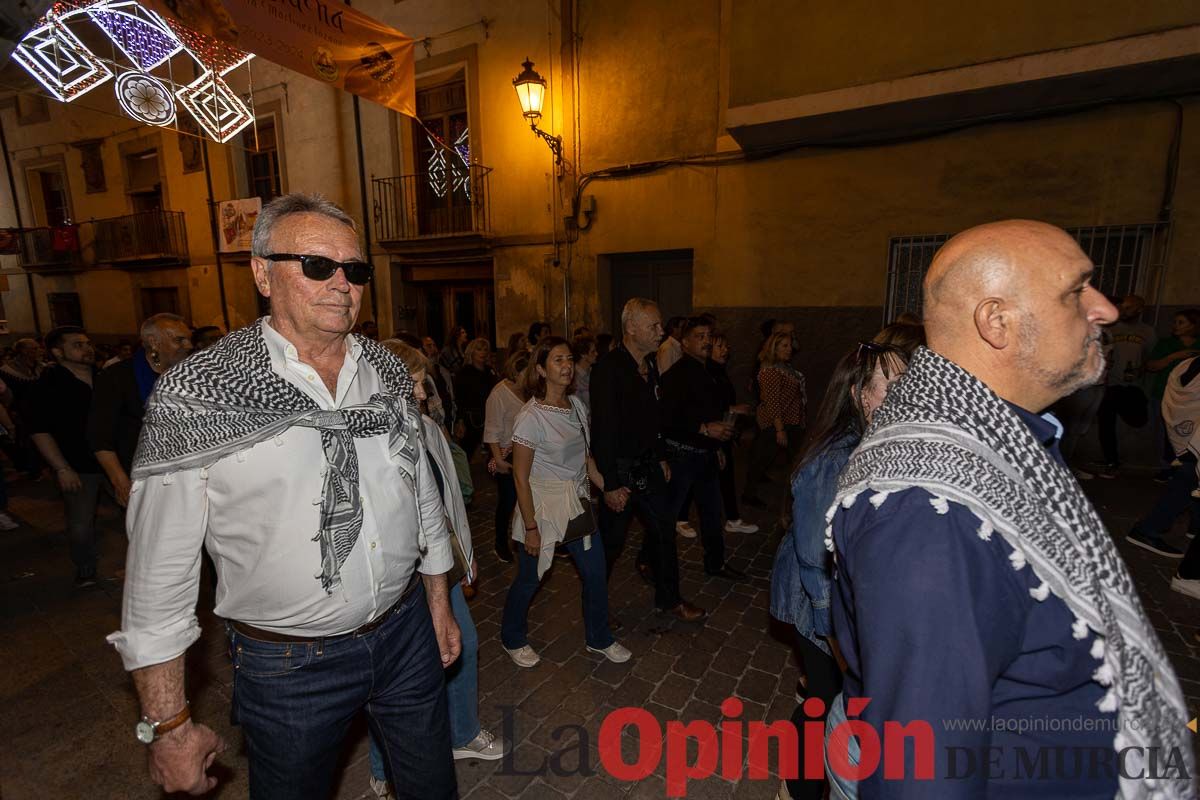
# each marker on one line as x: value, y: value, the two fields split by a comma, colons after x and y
x: 291, y: 450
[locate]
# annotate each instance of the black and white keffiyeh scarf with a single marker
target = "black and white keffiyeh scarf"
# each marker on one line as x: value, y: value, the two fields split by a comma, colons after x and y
x: 943, y: 430
x: 227, y: 398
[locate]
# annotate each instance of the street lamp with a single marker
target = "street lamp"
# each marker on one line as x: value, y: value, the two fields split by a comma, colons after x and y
x: 531, y: 91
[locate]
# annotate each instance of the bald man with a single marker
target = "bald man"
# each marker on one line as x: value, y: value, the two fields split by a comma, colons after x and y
x: 976, y: 589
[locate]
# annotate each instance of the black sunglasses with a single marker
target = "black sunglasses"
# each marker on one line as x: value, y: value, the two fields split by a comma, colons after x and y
x: 868, y: 349
x: 321, y: 268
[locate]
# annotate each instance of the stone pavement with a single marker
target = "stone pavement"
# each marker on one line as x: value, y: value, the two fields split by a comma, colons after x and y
x: 67, y: 708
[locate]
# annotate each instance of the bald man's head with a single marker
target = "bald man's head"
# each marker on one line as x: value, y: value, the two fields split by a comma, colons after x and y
x: 1012, y: 303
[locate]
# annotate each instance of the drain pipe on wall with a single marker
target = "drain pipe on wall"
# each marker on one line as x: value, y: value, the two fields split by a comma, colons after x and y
x: 12, y: 188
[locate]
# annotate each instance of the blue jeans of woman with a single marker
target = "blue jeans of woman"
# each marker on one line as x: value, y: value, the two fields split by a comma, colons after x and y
x: 462, y: 685
x: 514, y: 628
x: 296, y: 701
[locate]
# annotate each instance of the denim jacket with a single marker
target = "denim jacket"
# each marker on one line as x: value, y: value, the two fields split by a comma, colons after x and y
x: 800, y: 579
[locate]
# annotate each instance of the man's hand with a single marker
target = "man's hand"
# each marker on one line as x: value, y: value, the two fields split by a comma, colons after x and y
x: 666, y: 468
x: 616, y: 499
x: 721, y: 431
x: 179, y: 761
x: 68, y: 480
x: 122, y: 486
x: 449, y: 637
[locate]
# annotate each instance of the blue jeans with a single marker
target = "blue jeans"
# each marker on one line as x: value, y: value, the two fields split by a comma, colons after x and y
x: 593, y: 571
x: 840, y: 788
x: 462, y: 685
x: 296, y: 701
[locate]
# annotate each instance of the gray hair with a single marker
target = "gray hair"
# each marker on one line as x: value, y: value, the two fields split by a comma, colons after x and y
x: 294, y: 203
x: 478, y: 343
x: 151, y: 326
x: 634, y: 305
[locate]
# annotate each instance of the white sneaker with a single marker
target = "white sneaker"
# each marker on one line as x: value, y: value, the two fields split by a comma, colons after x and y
x: 738, y: 526
x: 485, y: 746
x: 7, y: 523
x: 685, y: 530
x: 615, y: 652
x: 1083, y: 474
x: 1184, y: 586
x: 382, y: 789
x: 524, y: 656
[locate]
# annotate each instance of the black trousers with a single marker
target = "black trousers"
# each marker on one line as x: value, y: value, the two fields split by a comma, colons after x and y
x: 1129, y: 404
x: 695, y: 476
x: 764, y: 451
x: 824, y: 680
x: 506, y: 501
x: 659, y: 551
x: 729, y: 485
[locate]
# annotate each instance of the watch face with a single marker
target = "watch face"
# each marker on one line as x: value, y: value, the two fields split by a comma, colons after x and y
x: 145, y: 732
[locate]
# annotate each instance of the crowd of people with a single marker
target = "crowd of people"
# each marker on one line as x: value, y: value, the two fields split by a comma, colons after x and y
x: 936, y: 547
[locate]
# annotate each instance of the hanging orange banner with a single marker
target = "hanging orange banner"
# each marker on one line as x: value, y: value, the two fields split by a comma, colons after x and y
x: 328, y: 41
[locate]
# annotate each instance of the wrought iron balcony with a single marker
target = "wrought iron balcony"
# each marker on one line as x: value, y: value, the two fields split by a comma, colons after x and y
x: 51, y: 248
x: 150, y: 237
x: 453, y: 204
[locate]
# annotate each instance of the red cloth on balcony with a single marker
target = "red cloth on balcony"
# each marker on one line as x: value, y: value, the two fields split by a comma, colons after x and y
x: 65, y: 239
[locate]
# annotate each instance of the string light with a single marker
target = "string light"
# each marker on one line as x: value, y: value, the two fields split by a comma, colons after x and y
x: 60, y: 61
x: 211, y: 53
x: 137, y: 32
x: 54, y: 55
x: 216, y: 108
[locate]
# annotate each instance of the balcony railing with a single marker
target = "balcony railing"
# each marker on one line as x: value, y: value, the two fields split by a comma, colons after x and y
x: 51, y: 247
x: 454, y: 203
x: 147, y: 237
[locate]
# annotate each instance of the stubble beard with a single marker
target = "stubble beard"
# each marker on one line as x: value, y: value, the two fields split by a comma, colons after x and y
x: 1065, y: 381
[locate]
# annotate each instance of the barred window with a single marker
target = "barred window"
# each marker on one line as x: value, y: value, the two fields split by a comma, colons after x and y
x: 1129, y: 259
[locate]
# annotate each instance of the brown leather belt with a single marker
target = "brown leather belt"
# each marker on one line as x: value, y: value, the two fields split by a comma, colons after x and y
x: 283, y: 638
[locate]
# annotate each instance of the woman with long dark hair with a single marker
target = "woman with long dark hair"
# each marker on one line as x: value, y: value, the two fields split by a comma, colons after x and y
x: 452, y: 356
x: 551, y: 468
x: 800, y: 579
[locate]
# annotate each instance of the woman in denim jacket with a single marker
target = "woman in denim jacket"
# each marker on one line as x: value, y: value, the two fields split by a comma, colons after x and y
x: 800, y: 580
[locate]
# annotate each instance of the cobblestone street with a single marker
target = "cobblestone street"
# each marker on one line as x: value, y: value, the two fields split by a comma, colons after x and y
x: 67, y: 708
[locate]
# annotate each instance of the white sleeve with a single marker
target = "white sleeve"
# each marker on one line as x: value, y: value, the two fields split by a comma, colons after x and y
x: 527, y: 429
x: 493, y: 418
x: 439, y: 555
x: 166, y: 522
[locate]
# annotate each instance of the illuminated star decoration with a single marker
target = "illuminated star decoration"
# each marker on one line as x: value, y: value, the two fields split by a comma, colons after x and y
x: 56, y: 57
x: 436, y: 167
x: 461, y: 171
x: 139, y: 33
x: 216, y: 108
x: 145, y: 99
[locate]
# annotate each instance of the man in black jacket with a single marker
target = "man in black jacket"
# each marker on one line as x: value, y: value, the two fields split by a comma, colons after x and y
x: 630, y: 455
x: 119, y: 399
x: 693, y: 426
x: 58, y: 412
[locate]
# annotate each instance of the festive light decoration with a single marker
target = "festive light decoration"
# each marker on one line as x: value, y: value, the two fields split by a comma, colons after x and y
x: 54, y: 55
x: 436, y: 168
x: 139, y: 33
x: 62, y: 63
x: 145, y: 99
x: 449, y: 174
x: 460, y: 171
x: 219, y: 111
x: 212, y: 54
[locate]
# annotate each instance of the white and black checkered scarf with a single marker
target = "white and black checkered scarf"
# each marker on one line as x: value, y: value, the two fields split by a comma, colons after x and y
x: 944, y: 431
x: 227, y: 398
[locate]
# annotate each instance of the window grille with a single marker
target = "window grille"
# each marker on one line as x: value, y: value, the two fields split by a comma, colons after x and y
x: 1129, y: 259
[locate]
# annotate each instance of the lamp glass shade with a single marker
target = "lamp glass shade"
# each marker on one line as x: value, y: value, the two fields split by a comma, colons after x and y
x: 531, y: 91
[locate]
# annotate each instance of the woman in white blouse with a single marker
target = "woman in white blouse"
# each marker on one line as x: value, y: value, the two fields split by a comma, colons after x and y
x: 505, y: 401
x: 551, y: 467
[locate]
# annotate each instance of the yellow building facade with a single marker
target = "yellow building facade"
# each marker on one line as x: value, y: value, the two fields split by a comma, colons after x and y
x: 756, y: 159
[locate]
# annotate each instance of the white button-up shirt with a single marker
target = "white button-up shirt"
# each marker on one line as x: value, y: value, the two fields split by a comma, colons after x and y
x: 258, y: 511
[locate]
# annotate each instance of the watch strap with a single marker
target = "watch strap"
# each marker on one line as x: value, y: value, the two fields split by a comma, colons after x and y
x: 166, y: 726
